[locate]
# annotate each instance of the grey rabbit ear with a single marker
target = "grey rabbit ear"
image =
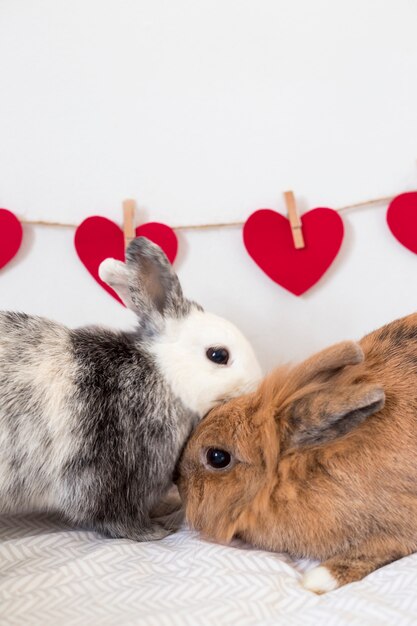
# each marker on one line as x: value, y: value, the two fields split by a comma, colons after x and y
x: 146, y: 283
x: 325, y: 415
x: 153, y: 284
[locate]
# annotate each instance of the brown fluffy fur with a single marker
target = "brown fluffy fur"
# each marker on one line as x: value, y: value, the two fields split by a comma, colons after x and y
x: 325, y: 458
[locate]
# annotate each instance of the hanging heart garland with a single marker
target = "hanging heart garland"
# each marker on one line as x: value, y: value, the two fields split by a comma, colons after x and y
x: 294, y: 253
x: 268, y: 239
x: 11, y: 234
x: 402, y: 219
x: 98, y: 238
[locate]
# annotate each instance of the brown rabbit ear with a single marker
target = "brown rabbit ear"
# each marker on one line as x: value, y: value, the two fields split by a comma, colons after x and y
x: 335, y: 357
x: 326, y: 415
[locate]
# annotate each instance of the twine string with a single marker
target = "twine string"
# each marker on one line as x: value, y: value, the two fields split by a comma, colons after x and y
x: 357, y: 205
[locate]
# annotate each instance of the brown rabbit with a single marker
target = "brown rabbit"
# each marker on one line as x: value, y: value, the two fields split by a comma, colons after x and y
x: 319, y: 462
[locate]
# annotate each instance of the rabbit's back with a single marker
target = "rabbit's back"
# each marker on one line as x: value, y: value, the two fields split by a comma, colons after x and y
x: 36, y: 379
x: 131, y: 426
x: 87, y: 424
x: 391, y: 352
x: 391, y: 361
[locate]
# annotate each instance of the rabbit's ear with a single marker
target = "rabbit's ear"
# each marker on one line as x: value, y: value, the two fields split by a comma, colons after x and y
x: 325, y: 415
x: 332, y: 358
x: 146, y: 283
x: 153, y: 284
x: 115, y: 274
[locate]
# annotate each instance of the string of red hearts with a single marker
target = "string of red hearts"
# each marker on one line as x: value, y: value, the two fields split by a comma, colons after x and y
x: 293, y: 252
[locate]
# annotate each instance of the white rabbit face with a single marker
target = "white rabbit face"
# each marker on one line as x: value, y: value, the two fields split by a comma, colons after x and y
x: 205, y: 359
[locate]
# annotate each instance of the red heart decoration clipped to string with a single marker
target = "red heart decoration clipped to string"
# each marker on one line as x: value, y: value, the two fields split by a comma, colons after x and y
x: 11, y: 234
x: 268, y: 239
x: 98, y: 238
x: 402, y: 219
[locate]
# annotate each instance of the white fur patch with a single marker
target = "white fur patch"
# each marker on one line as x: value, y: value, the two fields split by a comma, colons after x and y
x: 180, y: 352
x: 319, y: 580
x: 48, y: 371
x: 112, y: 271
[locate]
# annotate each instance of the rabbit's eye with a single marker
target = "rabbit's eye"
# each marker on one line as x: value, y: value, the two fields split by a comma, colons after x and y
x: 218, y: 459
x: 218, y: 355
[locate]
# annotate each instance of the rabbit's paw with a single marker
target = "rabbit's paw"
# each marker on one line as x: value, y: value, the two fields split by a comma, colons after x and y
x: 152, y: 531
x: 319, y: 580
x: 169, y: 503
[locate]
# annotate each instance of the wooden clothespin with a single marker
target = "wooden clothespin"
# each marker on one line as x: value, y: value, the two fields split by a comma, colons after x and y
x: 128, y: 221
x: 294, y: 219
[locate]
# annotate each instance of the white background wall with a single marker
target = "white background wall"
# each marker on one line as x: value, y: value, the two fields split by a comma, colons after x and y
x: 205, y: 111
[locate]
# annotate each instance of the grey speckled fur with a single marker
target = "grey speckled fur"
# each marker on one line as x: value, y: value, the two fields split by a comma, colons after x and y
x: 88, y: 425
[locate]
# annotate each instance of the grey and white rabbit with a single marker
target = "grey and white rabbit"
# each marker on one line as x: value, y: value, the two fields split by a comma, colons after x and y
x: 92, y: 420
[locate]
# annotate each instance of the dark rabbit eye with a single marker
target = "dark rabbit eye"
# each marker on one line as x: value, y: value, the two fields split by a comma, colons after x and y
x: 218, y: 355
x: 218, y: 459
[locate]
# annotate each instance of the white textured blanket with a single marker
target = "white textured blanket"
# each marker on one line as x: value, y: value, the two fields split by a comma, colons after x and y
x: 54, y: 576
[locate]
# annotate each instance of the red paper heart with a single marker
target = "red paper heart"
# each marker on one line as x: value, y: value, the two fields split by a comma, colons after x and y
x: 11, y: 234
x: 268, y: 239
x: 98, y: 238
x: 402, y: 219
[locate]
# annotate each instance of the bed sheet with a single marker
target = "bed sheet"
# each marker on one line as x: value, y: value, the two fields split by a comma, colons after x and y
x: 51, y: 575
